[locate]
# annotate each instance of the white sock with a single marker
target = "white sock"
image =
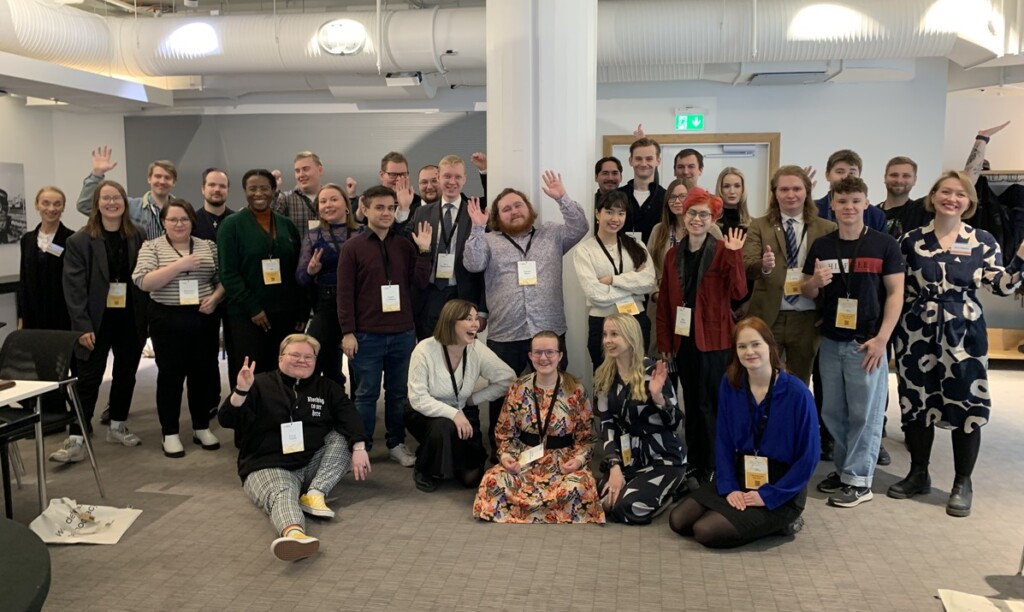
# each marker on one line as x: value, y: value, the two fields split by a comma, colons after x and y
x: 116, y: 424
x: 78, y: 439
x: 315, y: 492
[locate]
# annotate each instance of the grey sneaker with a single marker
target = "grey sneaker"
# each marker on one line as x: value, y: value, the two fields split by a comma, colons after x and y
x: 831, y: 484
x: 850, y: 496
x: 72, y: 451
x: 402, y: 454
x: 122, y: 436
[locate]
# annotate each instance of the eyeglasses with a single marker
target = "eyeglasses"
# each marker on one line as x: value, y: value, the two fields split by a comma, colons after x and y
x: 677, y: 198
x: 107, y: 199
x: 702, y: 214
x: 299, y: 357
x: 177, y: 221
x: 397, y: 175
x: 549, y: 353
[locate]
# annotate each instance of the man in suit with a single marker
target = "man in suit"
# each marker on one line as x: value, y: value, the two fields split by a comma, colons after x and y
x: 449, y: 278
x: 774, y: 254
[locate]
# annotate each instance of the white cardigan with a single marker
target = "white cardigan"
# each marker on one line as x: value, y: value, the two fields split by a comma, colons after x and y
x: 430, y: 385
x: 591, y: 264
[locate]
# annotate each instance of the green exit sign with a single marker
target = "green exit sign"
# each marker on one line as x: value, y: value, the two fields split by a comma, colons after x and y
x: 690, y: 123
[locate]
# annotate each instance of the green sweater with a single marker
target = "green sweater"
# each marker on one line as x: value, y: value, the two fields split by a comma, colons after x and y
x: 242, y: 246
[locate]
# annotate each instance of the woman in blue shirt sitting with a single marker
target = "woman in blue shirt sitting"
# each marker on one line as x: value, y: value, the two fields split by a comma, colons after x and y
x: 766, y: 449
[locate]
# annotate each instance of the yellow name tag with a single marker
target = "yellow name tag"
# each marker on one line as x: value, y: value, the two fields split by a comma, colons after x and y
x: 627, y: 307
x: 527, y: 272
x: 755, y: 471
x: 531, y: 454
x: 389, y: 298
x: 271, y: 271
x: 445, y: 265
x: 188, y: 292
x: 846, y: 314
x: 117, y: 295
x: 291, y: 438
x: 793, y: 280
x: 626, y: 449
x: 313, y: 224
x: 683, y: 315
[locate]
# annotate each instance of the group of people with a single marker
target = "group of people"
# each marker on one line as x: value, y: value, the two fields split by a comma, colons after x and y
x: 684, y: 291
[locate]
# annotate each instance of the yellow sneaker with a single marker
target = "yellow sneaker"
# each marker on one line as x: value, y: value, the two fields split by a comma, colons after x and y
x: 294, y: 546
x: 314, y: 504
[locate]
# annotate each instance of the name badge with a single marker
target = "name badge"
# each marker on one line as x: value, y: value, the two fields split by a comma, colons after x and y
x: 527, y: 272
x: 271, y: 271
x: 55, y: 249
x: 117, y: 295
x: 291, y: 438
x: 846, y: 314
x: 445, y: 265
x: 683, y: 315
x: 188, y: 292
x: 794, y: 277
x: 389, y: 298
x: 531, y: 454
x: 627, y: 307
x: 313, y: 224
x: 636, y: 236
x: 755, y: 471
x: 626, y: 449
x: 960, y: 248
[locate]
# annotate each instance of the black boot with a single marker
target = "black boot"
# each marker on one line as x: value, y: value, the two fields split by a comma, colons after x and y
x: 917, y: 482
x: 959, y: 503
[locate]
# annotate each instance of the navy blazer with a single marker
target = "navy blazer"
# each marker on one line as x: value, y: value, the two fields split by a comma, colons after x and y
x: 469, y: 285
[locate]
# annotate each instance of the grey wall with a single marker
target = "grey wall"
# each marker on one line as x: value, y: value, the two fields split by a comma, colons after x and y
x: 348, y: 144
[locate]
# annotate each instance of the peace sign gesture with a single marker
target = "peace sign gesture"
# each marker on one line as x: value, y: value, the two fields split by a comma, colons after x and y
x: 314, y: 266
x: 246, y: 376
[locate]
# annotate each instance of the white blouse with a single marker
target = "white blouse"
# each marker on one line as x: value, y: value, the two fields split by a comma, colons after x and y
x: 430, y: 384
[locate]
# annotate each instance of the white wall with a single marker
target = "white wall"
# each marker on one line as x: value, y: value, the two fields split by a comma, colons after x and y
x: 968, y: 112
x: 878, y: 120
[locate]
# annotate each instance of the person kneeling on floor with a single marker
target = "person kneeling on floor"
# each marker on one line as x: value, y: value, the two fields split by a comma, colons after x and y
x: 296, y: 430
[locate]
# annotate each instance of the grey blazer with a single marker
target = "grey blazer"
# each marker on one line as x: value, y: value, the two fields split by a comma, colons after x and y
x: 470, y: 285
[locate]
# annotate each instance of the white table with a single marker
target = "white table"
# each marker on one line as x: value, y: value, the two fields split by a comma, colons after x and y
x: 26, y: 389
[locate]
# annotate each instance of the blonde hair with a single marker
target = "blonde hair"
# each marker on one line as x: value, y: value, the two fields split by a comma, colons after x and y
x: 741, y: 206
x: 451, y: 160
x: 297, y: 338
x: 604, y: 378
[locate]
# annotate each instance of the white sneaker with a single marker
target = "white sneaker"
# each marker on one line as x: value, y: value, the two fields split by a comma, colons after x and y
x: 147, y: 351
x: 206, y: 439
x: 172, y: 446
x: 72, y: 451
x: 404, y: 456
x: 122, y: 436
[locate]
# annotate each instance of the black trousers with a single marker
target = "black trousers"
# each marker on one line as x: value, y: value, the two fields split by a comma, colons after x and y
x: 441, y: 453
x: 250, y: 341
x: 185, y: 342
x: 595, y: 336
x: 117, y: 334
x: 327, y: 330
x: 700, y: 374
x: 434, y: 300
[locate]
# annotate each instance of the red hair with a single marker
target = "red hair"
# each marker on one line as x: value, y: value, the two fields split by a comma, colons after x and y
x: 699, y: 197
x: 735, y: 373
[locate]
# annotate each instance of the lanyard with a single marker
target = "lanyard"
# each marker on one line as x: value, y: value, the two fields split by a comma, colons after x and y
x: 384, y: 255
x: 761, y: 424
x: 451, y: 372
x: 307, y: 202
x: 447, y: 238
x: 191, y: 247
x: 847, y: 276
x: 543, y: 431
x: 622, y: 262
x: 516, y: 244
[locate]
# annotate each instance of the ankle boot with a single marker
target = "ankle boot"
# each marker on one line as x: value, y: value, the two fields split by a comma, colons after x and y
x: 959, y: 503
x: 917, y: 482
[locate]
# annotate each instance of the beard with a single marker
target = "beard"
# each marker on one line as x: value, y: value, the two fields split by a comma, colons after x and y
x: 519, y: 226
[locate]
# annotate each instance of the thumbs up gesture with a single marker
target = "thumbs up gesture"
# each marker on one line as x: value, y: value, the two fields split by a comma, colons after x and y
x: 767, y: 261
x: 822, y: 274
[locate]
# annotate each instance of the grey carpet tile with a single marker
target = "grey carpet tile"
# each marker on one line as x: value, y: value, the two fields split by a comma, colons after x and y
x: 201, y: 545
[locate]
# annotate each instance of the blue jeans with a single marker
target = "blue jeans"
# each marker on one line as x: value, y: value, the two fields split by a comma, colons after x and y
x: 853, y: 409
x: 387, y: 355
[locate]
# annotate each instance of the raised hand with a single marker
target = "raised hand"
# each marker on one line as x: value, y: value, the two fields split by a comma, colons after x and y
x: 479, y: 159
x: 314, y: 263
x: 822, y: 274
x: 477, y: 216
x: 404, y: 192
x: 658, y: 378
x: 102, y: 161
x: 989, y: 132
x: 735, y: 238
x: 767, y: 260
x: 553, y: 186
x: 246, y: 375
x: 423, y: 235
x: 638, y: 133
x: 811, y: 173
x: 278, y: 179
x: 350, y: 187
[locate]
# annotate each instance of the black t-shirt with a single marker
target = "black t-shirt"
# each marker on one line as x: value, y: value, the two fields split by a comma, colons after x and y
x: 902, y: 219
x: 876, y: 255
x: 207, y: 223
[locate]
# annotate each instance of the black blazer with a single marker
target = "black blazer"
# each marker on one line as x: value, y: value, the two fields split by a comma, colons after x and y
x: 40, y: 295
x: 87, y: 281
x: 469, y: 285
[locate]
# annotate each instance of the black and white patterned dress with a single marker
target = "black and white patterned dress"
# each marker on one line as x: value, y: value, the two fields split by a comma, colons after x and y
x: 941, y: 340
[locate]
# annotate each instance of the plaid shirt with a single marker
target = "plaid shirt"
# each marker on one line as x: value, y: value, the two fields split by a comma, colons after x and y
x: 298, y: 207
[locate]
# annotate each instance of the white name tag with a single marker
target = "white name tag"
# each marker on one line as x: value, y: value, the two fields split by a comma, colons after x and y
x: 683, y: 315
x: 627, y: 307
x: 117, y: 295
x: 527, y: 272
x: 291, y: 438
x: 793, y: 280
x: 389, y: 298
x: 755, y: 471
x: 626, y: 449
x: 846, y: 314
x: 531, y: 454
x: 313, y: 224
x: 188, y: 292
x: 55, y: 249
x: 636, y: 236
x: 445, y: 265
x: 271, y: 271
x: 960, y: 248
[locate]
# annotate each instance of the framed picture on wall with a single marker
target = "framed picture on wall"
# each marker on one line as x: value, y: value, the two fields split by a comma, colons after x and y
x: 13, y: 220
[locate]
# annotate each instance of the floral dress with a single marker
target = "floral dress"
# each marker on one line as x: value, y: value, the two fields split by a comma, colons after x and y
x: 540, y: 493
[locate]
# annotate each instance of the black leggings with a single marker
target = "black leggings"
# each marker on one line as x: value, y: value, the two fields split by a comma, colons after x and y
x: 965, y: 446
x: 707, y: 527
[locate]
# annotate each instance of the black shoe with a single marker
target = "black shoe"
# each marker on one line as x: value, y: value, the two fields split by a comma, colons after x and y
x: 105, y: 417
x: 959, y: 503
x: 917, y: 482
x: 831, y: 484
x: 826, y: 450
x: 884, y: 458
x: 427, y: 484
x: 794, y: 527
x: 850, y: 496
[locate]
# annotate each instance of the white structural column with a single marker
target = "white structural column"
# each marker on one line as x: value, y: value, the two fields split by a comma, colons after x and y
x: 542, y: 115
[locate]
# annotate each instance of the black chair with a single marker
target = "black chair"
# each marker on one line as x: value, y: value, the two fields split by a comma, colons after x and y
x: 43, y: 355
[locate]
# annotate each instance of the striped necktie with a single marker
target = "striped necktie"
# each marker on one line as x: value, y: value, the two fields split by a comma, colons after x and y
x: 791, y: 253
